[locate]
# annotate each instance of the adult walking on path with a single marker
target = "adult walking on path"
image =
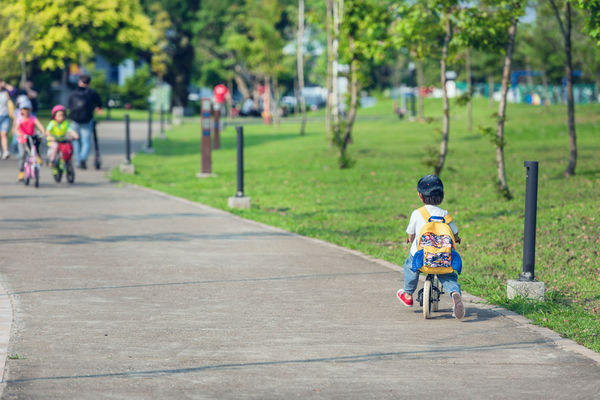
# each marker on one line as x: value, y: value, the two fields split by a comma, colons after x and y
x: 82, y: 104
x: 130, y: 294
x: 6, y: 91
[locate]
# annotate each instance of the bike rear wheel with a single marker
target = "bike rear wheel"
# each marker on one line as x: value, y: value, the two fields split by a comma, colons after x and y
x: 70, y: 173
x: 427, y: 299
x: 436, y: 301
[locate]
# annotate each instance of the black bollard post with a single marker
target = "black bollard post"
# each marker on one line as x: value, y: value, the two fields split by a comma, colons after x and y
x: 149, y: 143
x: 240, y: 161
x: 127, y: 140
x: 530, y: 222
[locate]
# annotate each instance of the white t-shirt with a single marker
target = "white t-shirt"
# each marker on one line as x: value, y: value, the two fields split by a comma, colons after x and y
x: 417, y: 221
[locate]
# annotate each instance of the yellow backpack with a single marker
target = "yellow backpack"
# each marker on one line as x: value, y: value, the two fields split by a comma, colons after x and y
x: 435, y: 246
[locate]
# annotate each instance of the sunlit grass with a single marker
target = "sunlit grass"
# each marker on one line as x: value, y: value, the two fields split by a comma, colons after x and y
x: 295, y: 184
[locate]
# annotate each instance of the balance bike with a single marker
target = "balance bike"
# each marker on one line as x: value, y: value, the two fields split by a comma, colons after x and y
x: 429, y: 296
x: 63, y: 164
x: 31, y: 168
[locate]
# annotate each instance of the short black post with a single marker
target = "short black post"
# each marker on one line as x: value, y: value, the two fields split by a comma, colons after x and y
x: 530, y: 222
x: 127, y: 140
x: 162, y: 121
x: 240, y: 161
x: 149, y: 143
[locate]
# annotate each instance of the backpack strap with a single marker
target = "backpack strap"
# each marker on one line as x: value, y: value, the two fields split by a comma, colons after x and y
x: 425, y: 214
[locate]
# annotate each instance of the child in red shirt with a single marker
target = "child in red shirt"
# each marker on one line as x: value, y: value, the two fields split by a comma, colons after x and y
x: 26, y: 127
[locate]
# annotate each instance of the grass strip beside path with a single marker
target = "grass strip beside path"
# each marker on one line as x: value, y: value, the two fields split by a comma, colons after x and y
x: 295, y: 185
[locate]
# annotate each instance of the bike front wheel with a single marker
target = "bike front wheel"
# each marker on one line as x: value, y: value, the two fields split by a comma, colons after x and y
x: 36, y: 176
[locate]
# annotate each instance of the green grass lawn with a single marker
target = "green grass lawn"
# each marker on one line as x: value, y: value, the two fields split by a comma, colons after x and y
x: 116, y: 114
x: 295, y: 184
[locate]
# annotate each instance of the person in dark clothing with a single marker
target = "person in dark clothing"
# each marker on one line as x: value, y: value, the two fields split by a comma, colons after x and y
x: 82, y: 104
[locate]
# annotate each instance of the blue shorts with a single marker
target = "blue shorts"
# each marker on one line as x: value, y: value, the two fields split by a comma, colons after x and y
x: 4, y: 123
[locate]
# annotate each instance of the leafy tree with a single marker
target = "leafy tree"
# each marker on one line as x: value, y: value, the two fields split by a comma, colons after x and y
x: 363, y: 39
x: 56, y: 33
x: 427, y: 27
x: 491, y: 26
x: 592, y: 27
x: 137, y: 87
x: 300, y: 63
x: 565, y: 24
x: 161, y: 25
x: 181, y: 50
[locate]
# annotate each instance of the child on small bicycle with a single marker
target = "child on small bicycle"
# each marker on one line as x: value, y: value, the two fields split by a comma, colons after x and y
x: 58, y: 130
x: 26, y: 128
x: 431, y: 192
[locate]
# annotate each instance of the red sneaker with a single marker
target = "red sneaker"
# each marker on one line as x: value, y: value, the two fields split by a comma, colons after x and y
x: 402, y: 297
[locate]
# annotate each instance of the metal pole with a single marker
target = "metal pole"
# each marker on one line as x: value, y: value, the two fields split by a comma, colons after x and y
x: 530, y: 222
x: 127, y: 140
x: 149, y: 144
x: 206, y: 139
x: 240, y: 161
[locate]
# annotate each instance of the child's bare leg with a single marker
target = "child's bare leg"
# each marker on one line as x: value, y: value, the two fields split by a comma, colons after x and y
x: 4, y: 141
x: 53, y: 151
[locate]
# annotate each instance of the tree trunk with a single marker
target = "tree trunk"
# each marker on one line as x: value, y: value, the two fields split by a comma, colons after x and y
x: 491, y: 90
x: 63, y: 93
x: 329, y: 71
x: 570, y: 101
x: 241, y: 84
x: 275, y: 103
x: 335, y: 107
x: 446, y: 128
x: 23, y: 71
x: 344, y: 162
x: 300, y: 60
x: 470, y: 91
x: 266, y: 114
x: 546, y: 89
x: 502, y: 183
x: 420, y: 84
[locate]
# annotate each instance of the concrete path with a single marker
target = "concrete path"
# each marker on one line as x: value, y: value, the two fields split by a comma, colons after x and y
x: 123, y: 293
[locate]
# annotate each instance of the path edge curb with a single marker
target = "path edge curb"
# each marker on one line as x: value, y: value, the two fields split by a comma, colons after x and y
x: 546, y: 333
x: 6, y: 322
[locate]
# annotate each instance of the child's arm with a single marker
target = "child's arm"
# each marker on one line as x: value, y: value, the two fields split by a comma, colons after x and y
x: 74, y: 134
x: 410, y: 238
x: 48, y: 130
x: 40, y: 127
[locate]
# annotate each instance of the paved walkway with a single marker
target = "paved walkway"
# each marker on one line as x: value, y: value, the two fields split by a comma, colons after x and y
x: 123, y: 293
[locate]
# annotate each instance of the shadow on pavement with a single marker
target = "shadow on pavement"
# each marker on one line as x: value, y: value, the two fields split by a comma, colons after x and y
x: 437, y: 353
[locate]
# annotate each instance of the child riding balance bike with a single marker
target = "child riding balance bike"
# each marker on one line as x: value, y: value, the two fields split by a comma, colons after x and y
x: 28, y: 142
x: 60, y: 148
x: 432, y: 252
